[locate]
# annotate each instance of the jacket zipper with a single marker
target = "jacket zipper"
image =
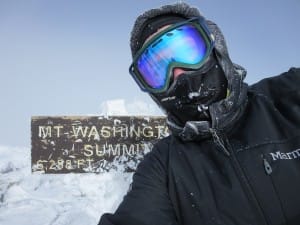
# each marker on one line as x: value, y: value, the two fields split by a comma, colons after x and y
x: 219, y: 141
x: 267, y: 166
x: 269, y: 170
x: 227, y: 149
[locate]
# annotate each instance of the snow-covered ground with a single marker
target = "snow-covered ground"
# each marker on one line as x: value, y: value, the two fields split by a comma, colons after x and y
x: 39, y: 199
x: 61, y: 199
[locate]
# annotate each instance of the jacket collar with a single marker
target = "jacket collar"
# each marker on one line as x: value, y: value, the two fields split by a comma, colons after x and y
x: 224, y: 113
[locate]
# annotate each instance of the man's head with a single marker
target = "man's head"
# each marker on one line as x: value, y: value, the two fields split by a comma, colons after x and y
x: 177, y: 56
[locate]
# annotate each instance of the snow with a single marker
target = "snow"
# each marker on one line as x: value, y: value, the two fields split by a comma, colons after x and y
x: 61, y: 199
x: 120, y: 107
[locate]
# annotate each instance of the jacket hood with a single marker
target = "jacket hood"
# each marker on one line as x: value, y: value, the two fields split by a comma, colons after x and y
x: 224, y: 113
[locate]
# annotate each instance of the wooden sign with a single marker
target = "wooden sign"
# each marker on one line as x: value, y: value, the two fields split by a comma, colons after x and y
x: 92, y: 144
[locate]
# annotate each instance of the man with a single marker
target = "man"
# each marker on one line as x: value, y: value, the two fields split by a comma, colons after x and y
x: 234, y: 154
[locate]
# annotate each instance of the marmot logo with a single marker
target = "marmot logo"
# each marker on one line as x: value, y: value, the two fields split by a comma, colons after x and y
x: 286, y: 155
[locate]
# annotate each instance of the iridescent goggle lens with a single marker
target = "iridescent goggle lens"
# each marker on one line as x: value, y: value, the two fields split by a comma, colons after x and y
x: 184, y: 45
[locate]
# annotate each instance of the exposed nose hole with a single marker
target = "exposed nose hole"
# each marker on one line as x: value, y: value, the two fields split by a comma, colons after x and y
x: 177, y: 72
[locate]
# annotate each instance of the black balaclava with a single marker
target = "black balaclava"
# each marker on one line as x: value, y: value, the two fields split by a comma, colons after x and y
x: 188, y: 97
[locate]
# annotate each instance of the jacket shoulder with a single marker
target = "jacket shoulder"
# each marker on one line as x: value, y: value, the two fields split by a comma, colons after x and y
x: 284, y: 84
x: 281, y: 94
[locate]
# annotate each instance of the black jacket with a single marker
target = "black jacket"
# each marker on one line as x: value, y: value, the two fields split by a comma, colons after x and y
x: 248, y: 175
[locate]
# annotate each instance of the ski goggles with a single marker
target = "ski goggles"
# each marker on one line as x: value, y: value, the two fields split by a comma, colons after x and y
x: 186, y: 45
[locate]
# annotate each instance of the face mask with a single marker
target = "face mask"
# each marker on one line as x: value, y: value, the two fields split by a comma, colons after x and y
x: 190, y: 95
